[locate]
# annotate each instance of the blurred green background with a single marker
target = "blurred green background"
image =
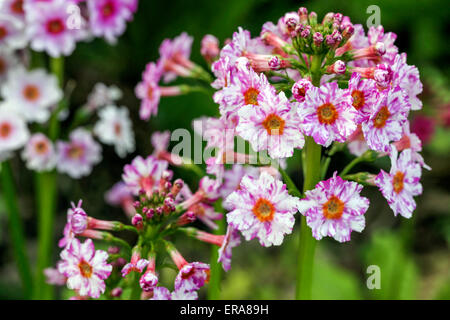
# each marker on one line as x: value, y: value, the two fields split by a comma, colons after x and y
x: 413, y: 255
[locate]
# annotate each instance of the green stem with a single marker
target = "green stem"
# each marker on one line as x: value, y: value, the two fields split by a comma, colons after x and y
x: 307, y: 242
x: 46, y: 195
x: 16, y: 229
x: 350, y: 166
x: 57, y: 68
x: 216, y: 267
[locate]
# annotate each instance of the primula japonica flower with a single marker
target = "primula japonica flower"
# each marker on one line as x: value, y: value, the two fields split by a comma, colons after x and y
x: 31, y: 93
x: 107, y: 18
x: 232, y: 178
x: 364, y: 94
x: 232, y: 239
x: 144, y: 174
x: 115, y: 128
x: 408, y: 79
x: 327, y: 114
x: 174, y: 57
x: 223, y: 70
x: 210, y: 48
x: 402, y: 183
x: 13, y: 8
x: 54, y: 277
x: 240, y: 45
x: 149, y: 280
x: 12, y: 32
x: 335, y: 209
x: 271, y: 126
x: 356, y: 143
x: 39, y: 153
x: 13, y: 131
x: 136, y: 264
x: 262, y: 208
x: 300, y: 88
x: 376, y: 34
x: 85, y: 268
x: 49, y: 30
x: 161, y: 293
x: 102, y: 96
x: 77, y: 156
x: 411, y: 141
x: 77, y: 223
x: 385, y: 123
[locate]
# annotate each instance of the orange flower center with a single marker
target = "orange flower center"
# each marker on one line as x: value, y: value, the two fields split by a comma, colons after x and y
x: 150, y: 93
x: 358, y: 99
x: 397, y: 182
x: 17, y: 7
x: 55, y: 26
x: 85, y: 269
x: 264, y: 210
x: 327, y: 113
x: 31, y: 93
x: 381, y: 117
x: 117, y: 129
x: 3, y: 32
x: 41, y: 147
x: 333, y: 208
x: 5, y: 130
x: 108, y: 9
x: 76, y: 152
x: 251, y: 96
x: 274, y: 125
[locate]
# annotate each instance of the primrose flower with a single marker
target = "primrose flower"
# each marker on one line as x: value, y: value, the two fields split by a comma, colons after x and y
x: 12, y: 34
x: 408, y: 79
x: 85, y: 268
x: 115, y: 128
x: 240, y: 45
x: 39, y: 153
x: 144, y: 174
x: 13, y: 131
x: 401, y: 184
x: 386, y: 121
x: 32, y: 94
x: 300, y: 88
x: 232, y: 239
x: 376, y: 35
x: 136, y: 264
x: 174, y: 57
x: 48, y: 28
x: 262, y: 208
x: 364, y: 94
x: 77, y: 156
x: 327, y: 114
x: 272, y: 126
x: 411, y: 141
x: 335, y: 209
x: 161, y: 293
x: 102, y: 96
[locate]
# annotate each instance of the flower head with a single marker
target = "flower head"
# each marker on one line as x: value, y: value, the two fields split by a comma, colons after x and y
x: 13, y: 131
x: 335, y: 209
x: 262, y: 208
x: 85, y: 268
x: 192, y: 276
x: 39, y: 153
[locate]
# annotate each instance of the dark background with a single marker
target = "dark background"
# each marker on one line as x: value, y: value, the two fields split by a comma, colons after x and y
x: 412, y: 254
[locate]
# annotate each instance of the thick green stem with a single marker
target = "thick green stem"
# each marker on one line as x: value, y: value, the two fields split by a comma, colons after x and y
x: 16, y: 229
x: 57, y: 68
x: 46, y: 193
x: 307, y: 242
x: 216, y: 267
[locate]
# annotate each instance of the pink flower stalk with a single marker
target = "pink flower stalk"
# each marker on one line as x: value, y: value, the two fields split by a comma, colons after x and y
x: 210, y: 48
x: 335, y: 209
x: 85, y: 268
x: 33, y: 94
x: 338, y: 67
x: 364, y: 94
x: 137, y: 264
x: 144, y: 174
x: 232, y: 239
x: 386, y: 121
x: 401, y: 184
x: 107, y: 18
x: 300, y: 88
x: 210, y: 238
x: 14, y: 133
x: 266, y: 62
x: 120, y: 195
x: 262, y: 208
x: 373, y: 52
x: 174, y: 57
x: 161, y: 293
x: 79, y: 155
x: 272, y: 126
x: 327, y: 114
x: 39, y: 153
x: 49, y: 30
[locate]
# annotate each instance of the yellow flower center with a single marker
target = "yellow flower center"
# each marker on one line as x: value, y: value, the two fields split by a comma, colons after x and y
x: 358, y: 99
x: 251, y: 96
x: 274, y: 125
x: 333, y: 208
x: 397, y: 182
x: 381, y: 117
x: 327, y: 113
x: 263, y: 210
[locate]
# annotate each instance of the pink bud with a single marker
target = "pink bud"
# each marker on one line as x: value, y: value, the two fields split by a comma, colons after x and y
x: 137, y: 221
x: 116, y: 292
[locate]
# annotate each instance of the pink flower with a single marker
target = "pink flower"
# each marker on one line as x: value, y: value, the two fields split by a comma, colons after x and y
x: 271, y: 126
x: 39, y: 153
x: 232, y: 178
x: 327, y: 114
x: 356, y: 143
x: 107, y: 18
x: 13, y: 131
x: 408, y: 79
x: 144, y: 174
x: 300, y: 88
x: 192, y: 276
x: 218, y: 132
x: 77, y: 157
x: 33, y: 94
x: 85, y: 268
x: 48, y: 28
x: 13, y: 8
x: 335, y: 209
x: 102, y: 96
x: 377, y: 35
x: 210, y: 48
x: 54, y: 277
x: 12, y: 34
x: 364, y: 94
x: 136, y: 264
x: 385, y: 123
x: 174, y: 57
x: 232, y: 239
x: 411, y: 141
x: 401, y: 184
x: 262, y: 208
x: 161, y: 293
x: 77, y: 223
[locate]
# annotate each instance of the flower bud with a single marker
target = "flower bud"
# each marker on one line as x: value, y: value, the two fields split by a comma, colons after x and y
x: 116, y: 292
x: 137, y: 221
